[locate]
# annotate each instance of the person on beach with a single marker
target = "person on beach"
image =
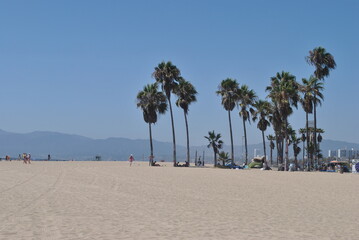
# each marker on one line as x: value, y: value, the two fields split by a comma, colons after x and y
x: 24, y: 157
x: 131, y: 159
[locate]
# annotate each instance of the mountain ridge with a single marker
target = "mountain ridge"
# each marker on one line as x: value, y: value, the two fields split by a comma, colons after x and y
x: 71, y: 146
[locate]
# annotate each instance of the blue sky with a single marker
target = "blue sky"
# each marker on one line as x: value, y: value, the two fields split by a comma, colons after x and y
x: 76, y: 66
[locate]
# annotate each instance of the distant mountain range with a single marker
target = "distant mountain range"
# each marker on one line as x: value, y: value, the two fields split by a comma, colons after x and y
x: 67, y: 147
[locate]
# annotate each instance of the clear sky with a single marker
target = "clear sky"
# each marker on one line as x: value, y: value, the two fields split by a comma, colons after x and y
x: 76, y: 66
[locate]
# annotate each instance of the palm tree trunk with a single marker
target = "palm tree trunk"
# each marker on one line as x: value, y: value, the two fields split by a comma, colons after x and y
x: 271, y: 156
x: 303, y: 156
x: 188, y: 156
x: 173, y: 133
x: 307, y: 126
x: 215, y: 155
x: 282, y: 150
x: 151, y: 145
x: 315, y: 134
x: 230, y: 130
x: 265, y: 152
x: 286, y: 160
x: 278, y: 149
x: 245, y: 140
x: 264, y: 147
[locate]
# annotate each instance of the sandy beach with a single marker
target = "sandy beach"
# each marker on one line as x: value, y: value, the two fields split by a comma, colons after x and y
x: 110, y: 200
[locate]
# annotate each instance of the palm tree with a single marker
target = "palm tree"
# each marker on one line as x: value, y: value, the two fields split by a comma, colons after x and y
x: 186, y: 94
x: 262, y: 108
x: 271, y: 138
x: 223, y: 156
x: 228, y: 91
x: 151, y: 102
x: 323, y: 62
x: 312, y: 96
x: 215, y: 142
x: 167, y: 75
x: 284, y: 94
x: 246, y: 99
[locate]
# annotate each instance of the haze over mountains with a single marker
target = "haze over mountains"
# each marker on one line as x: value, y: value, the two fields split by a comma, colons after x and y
x: 67, y: 147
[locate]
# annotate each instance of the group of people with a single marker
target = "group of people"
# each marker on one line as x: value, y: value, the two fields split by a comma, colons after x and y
x: 26, y: 157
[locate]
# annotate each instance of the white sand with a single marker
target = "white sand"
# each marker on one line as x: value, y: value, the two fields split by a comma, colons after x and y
x: 110, y: 200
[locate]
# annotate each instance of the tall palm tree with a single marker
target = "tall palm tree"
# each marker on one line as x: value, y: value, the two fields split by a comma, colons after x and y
x: 186, y: 94
x: 215, y: 142
x: 167, y: 75
x: 246, y: 99
x: 271, y: 138
x: 151, y: 102
x: 323, y: 62
x: 312, y: 96
x: 262, y: 108
x: 284, y: 94
x: 228, y: 91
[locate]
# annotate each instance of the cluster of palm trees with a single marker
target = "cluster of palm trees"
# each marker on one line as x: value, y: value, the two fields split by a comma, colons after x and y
x: 153, y: 102
x: 284, y: 94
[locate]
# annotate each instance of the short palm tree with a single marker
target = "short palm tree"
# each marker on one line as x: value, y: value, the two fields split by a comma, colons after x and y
x: 228, y: 91
x: 323, y: 62
x: 186, y: 94
x: 215, y: 142
x: 151, y: 102
x: 283, y: 91
x: 262, y: 111
x: 246, y: 99
x: 223, y: 156
x: 167, y: 75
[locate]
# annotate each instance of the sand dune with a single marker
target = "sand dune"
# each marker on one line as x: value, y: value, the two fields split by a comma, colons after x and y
x: 110, y: 200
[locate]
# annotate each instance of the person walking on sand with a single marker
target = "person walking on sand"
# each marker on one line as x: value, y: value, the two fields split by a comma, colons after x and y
x: 131, y: 159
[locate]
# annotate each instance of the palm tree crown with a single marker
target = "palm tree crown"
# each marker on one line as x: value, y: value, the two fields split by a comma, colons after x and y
x: 167, y: 75
x: 322, y: 61
x: 186, y: 94
x: 284, y: 92
x: 228, y: 90
x: 312, y: 93
x: 246, y: 100
x: 151, y: 102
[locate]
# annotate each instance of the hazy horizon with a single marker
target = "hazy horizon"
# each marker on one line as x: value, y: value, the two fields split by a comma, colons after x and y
x: 75, y: 67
